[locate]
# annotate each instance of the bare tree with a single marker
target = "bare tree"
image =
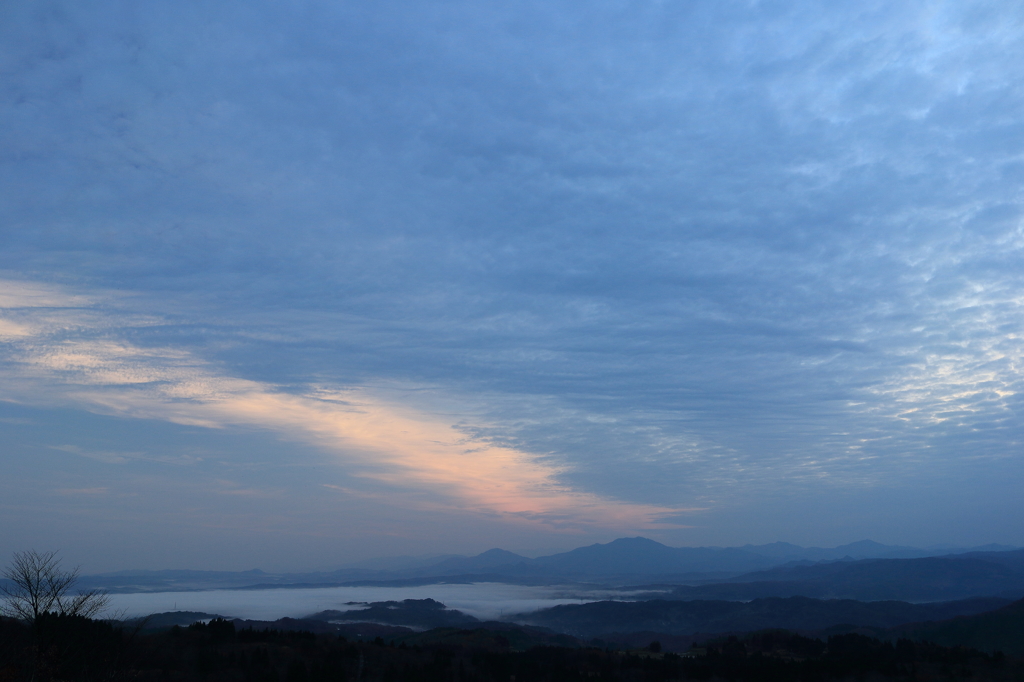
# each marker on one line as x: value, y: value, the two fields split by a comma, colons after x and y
x: 37, y: 584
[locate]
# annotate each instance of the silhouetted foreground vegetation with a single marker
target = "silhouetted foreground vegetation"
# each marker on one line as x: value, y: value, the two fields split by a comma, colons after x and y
x: 76, y: 648
x: 597, y: 619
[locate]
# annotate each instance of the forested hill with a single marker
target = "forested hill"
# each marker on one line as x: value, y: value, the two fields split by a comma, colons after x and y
x: 699, y: 616
x: 76, y: 648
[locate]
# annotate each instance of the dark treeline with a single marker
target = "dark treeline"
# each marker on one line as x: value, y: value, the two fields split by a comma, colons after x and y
x: 77, y: 648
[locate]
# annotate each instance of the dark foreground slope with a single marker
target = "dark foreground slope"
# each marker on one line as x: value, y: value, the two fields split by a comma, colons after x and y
x: 83, y: 650
x: 699, y: 616
x: 999, y: 630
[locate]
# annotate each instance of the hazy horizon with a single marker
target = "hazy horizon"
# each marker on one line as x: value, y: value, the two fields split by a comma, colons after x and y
x: 294, y: 285
x: 399, y: 563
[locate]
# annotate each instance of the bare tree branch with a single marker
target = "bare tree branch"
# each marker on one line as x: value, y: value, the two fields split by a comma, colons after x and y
x: 38, y: 585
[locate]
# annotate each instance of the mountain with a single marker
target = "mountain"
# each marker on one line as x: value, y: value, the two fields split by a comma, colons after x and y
x: 487, y: 561
x: 415, y: 613
x: 622, y: 559
x: 864, y: 549
x: 640, y: 558
x: 643, y: 557
x: 777, y: 569
x: 925, y: 579
x: 692, y: 617
x: 168, y: 619
x: 1012, y: 559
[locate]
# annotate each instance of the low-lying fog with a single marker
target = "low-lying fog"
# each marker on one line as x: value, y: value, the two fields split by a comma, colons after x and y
x: 486, y: 601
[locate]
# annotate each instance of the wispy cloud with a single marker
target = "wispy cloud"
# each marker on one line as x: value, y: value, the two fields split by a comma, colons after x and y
x: 81, y: 491
x: 389, y: 443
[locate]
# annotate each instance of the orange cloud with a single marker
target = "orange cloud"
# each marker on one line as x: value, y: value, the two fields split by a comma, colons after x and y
x: 374, y: 438
x: 387, y: 443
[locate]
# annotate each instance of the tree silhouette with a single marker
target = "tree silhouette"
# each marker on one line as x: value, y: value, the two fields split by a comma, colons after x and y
x: 38, y: 586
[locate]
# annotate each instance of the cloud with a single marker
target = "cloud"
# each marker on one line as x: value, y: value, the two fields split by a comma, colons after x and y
x: 17, y: 294
x: 100, y: 456
x: 679, y: 254
x: 81, y: 491
x: 400, y: 447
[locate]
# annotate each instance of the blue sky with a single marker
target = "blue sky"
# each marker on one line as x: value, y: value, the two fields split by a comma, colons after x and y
x: 287, y: 284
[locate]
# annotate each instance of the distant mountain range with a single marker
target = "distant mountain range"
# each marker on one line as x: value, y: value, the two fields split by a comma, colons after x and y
x: 959, y: 576
x: 643, y: 561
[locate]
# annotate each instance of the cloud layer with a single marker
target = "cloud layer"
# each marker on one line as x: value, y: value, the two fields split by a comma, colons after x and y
x: 60, y: 358
x: 761, y: 259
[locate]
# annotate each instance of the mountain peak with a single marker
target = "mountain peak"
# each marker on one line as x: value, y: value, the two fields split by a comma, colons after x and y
x: 498, y: 553
x: 863, y: 544
x: 638, y: 541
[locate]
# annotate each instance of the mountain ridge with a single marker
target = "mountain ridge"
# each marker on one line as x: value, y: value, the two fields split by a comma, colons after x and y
x: 621, y: 561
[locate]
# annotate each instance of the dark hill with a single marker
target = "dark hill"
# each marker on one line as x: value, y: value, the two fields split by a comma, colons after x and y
x: 417, y: 613
x: 999, y: 630
x: 688, y: 617
x: 925, y: 579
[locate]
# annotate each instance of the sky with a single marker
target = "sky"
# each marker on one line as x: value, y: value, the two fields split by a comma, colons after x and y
x: 290, y: 284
